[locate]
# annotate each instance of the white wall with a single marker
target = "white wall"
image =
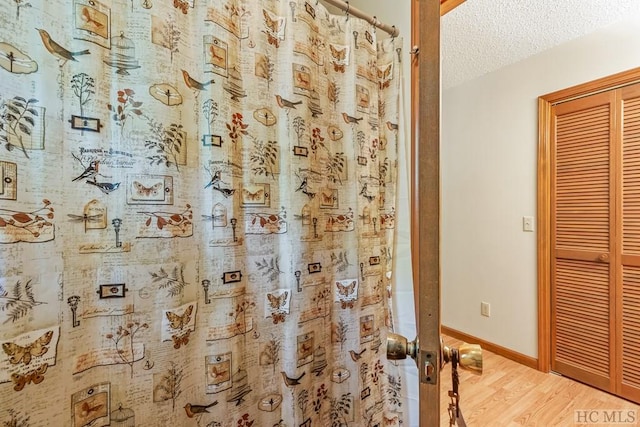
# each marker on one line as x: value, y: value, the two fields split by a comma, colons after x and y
x: 489, y: 154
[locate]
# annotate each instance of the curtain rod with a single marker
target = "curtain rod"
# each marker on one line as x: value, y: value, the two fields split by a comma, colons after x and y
x: 350, y: 10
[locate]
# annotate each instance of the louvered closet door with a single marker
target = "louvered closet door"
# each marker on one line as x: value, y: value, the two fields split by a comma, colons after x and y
x: 582, y: 277
x: 629, y: 318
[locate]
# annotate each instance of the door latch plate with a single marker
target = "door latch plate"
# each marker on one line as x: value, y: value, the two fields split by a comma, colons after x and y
x: 429, y: 367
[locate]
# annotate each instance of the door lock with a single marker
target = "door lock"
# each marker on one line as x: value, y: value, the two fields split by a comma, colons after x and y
x: 467, y: 356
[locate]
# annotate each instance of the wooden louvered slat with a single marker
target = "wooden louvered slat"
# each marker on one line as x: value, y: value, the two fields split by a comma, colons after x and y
x: 577, y: 179
x: 573, y: 138
x: 565, y: 186
x: 631, y: 177
x: 577, y: 138
x: 583, y: 116
x: 629, y: 357
x: 631, y: 326
x: 581, y: 230
x: 575, y: 121
x: 582, y: 180
x: 578, y: 144
x: 570, y: 195
x: 570, y: 130
x: 581, y: 307
x: 582, y: 159
x: 595, y: 232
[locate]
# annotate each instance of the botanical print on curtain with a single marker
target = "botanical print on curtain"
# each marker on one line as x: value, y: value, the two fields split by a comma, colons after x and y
x: 196, y: 214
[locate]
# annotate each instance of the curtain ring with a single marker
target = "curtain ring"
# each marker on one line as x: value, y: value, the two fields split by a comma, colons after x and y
x: 347, y: 11
x: 374, y: 22
x: 395, y: 33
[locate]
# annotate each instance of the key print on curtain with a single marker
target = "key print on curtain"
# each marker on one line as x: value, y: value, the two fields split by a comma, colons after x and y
x: 196, y: 214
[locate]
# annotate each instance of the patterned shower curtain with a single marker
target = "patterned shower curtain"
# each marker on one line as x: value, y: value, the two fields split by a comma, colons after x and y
x: 196, y: 214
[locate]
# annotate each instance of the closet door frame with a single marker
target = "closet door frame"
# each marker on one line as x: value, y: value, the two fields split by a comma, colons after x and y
x: 544, y: 241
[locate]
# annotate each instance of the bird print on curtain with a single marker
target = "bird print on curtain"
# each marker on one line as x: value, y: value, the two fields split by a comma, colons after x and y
x: 197, y: 214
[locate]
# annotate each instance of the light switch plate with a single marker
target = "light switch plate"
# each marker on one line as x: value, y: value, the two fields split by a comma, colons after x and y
x: 485, y: 309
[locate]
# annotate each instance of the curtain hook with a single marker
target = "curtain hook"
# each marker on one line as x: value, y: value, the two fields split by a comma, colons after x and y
x: 347, y: 11
x: 394, y: 34
x: 374, y: 22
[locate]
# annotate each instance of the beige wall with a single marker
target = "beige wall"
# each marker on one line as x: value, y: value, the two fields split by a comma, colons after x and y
x: 489, y: 149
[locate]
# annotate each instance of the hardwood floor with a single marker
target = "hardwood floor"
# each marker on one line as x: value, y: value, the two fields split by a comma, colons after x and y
x: 511, y: 394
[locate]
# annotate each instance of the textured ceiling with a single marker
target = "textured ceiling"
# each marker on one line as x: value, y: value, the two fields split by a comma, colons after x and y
x: 481, y: 36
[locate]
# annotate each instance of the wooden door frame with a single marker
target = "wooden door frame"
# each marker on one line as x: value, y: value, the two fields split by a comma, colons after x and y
x: 425, y: 196
x: 425, y: 201
x: 545, y: 104
x: 447, y: 6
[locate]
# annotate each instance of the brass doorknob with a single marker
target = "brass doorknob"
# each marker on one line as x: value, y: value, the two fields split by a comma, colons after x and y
x: 469, y: 357
x: 398, y: 347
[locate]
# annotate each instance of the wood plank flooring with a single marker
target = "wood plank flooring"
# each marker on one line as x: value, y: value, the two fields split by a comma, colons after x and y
x: 511, y: 394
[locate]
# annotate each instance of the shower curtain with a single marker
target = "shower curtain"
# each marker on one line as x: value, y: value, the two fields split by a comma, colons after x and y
x: 196, y: 214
